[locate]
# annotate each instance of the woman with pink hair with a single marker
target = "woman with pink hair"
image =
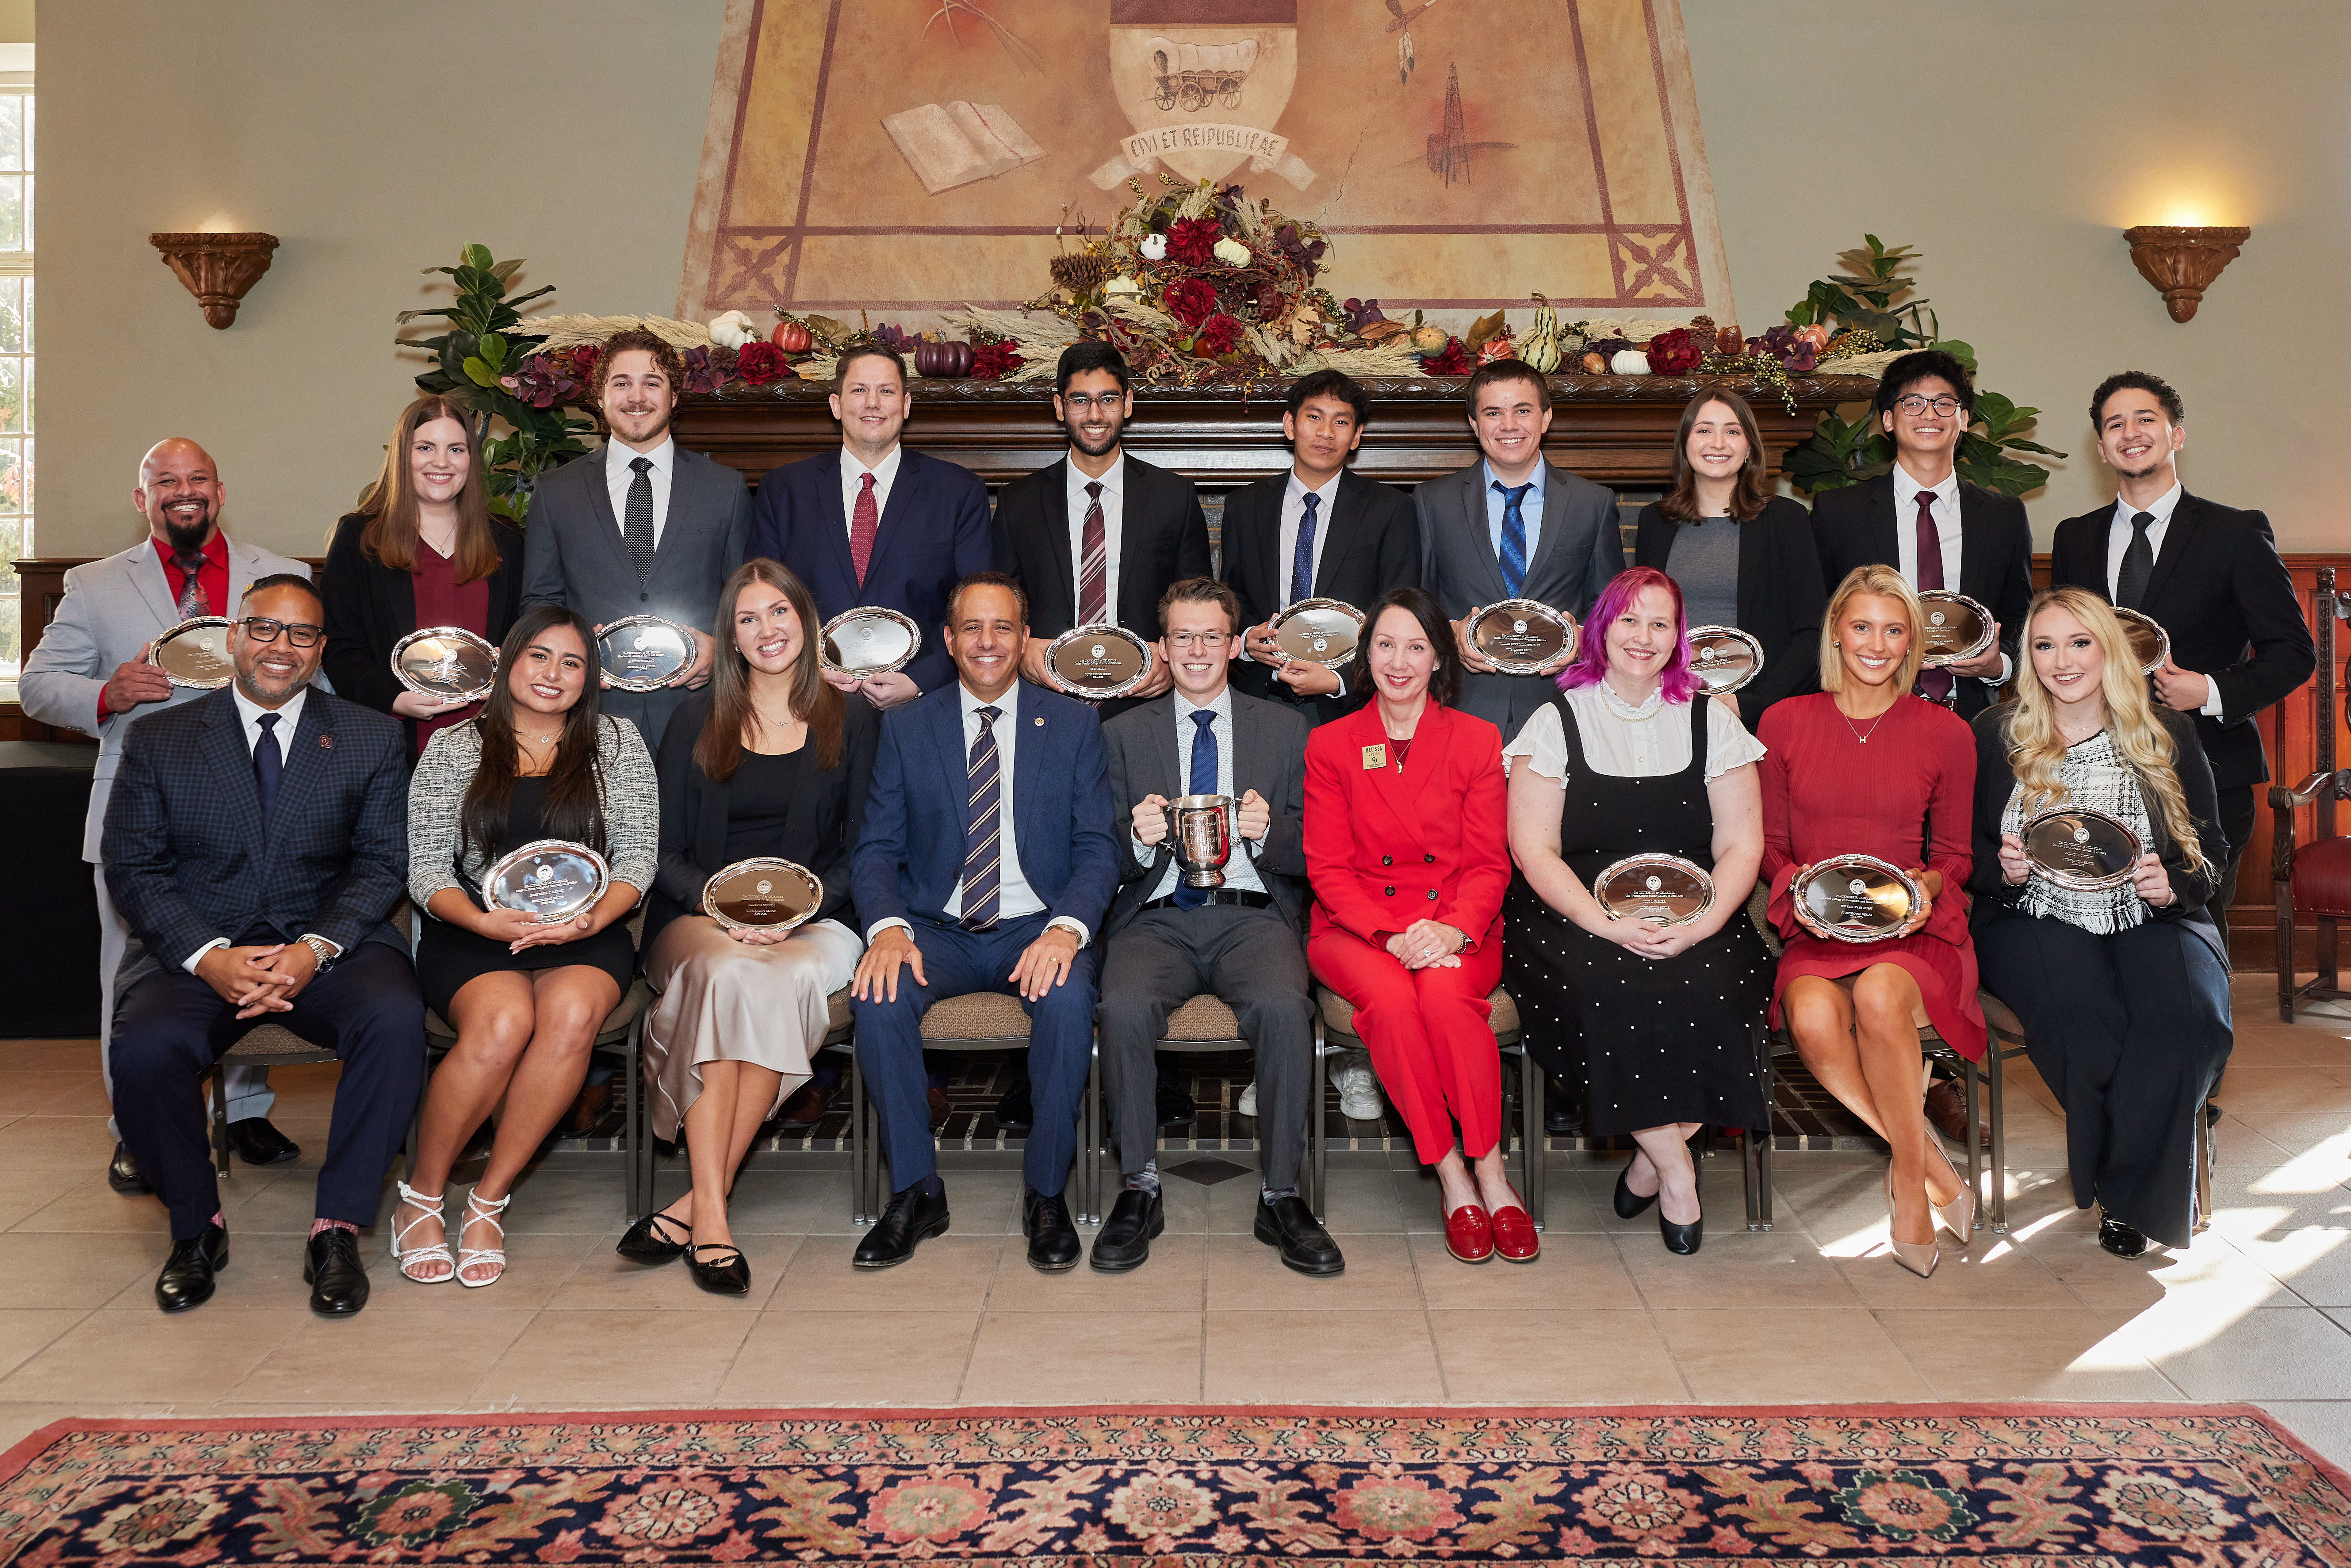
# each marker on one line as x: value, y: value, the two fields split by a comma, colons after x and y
x: 1657, y: 1020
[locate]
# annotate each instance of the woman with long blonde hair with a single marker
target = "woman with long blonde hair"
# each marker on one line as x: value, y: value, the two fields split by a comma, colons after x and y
x: 2123, y: 990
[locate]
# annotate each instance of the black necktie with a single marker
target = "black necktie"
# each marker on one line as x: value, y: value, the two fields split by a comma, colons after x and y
x: 268, y: 762
x: 637, y: 528
x: 2138, y: 563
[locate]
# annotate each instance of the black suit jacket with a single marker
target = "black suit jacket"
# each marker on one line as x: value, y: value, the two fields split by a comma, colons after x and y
x: 1373, y: 547
x: 188, y: 857
x: 826, y: 818
x: 1857, y: 526
x: 370, y: 607
x: 1163, y: 537
x: 2228, y: 601
x: 1781, y: 597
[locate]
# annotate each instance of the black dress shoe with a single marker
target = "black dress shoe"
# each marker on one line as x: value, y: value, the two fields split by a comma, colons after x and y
x: 1125, y: 1240
x: 1681, y: 1238
x: 2122, y: 1241
x: 257, y: 1143
x: 911, y: 1217
x: 187, y: 1277
x: 1013, y: 1113
x: 122, y: 1172
x: 1629, y: 1204
x: 1288, y: 1223
x: 1175, y: 1106
x: 331, y: 1268
x: 730, y: 1276
x: 1052, y: 1239
x: 648, y: 1240
x: 1562, y: 1115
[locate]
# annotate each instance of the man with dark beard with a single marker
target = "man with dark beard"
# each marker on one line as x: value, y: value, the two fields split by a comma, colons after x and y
x: 91, y: 673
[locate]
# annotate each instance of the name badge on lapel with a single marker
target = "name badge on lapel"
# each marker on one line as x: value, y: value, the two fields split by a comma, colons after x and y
x: 1375, y: 757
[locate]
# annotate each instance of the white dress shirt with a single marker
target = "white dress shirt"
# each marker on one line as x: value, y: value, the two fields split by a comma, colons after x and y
x: 2119, y: 539
x: 1293, y: 514
x: 1240, y: 872
x: 852, y: 480
x: 248, y: 717
x: 1906, y: 492
x: 1113, y: 484
x: 619, y: 477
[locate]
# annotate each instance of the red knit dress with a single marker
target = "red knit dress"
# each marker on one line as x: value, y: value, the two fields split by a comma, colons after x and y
x: 1826, y: 794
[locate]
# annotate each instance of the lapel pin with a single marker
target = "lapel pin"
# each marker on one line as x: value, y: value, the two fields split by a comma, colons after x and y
x: 327, y: 743
x: 1040, y: 721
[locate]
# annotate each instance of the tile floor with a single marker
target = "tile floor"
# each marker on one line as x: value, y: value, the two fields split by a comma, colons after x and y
x: 2260, y: 1309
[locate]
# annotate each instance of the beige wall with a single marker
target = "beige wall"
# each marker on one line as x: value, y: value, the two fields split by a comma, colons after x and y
x: 374, y: 139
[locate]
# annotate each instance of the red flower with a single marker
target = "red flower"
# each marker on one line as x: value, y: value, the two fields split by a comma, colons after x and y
x: 1190, y: 300
x: 1217, y: 335
x: 994, y: 361
x: 1675, y: 353
x: 760, y: 363
x: 1192, y: 242
x: 1454, y: 361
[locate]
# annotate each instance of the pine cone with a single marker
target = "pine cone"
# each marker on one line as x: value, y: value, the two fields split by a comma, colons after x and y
x: 1081, y: 272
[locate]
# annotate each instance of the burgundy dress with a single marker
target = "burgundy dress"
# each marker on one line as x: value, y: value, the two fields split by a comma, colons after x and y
x: 1827, y: 793
x: 442, y: 600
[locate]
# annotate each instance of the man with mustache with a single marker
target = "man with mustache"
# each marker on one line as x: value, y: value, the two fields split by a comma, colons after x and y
x: 91, y: 673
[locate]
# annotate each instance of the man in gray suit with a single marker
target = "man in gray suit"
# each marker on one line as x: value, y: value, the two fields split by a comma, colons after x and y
x: 641, y: 528
x: 1510, y: 526
x: 1166, y: 942
x: 91, y: 674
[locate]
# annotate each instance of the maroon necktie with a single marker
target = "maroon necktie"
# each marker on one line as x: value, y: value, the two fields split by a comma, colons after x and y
x: 1093, y: 568
x: 862, y: 526
x: 1932, y: 682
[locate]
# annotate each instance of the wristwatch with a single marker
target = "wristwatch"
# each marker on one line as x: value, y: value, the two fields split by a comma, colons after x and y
x: 324, y: 951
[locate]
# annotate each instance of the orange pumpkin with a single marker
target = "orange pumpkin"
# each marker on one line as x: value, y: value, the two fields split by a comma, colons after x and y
x: 791, y: 338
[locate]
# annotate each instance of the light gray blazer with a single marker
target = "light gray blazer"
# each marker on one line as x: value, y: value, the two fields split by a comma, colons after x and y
x: 113, y: 608
x: 1578, y: 552
x: 625, y: 780
x: 573, y: 555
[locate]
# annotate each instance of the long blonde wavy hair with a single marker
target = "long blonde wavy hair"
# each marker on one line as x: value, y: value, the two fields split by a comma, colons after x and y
x: 1883, y: 582
x: 2037, y: 751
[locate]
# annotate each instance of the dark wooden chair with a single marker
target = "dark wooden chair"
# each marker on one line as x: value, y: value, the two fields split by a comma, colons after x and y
x: 2315, y: 878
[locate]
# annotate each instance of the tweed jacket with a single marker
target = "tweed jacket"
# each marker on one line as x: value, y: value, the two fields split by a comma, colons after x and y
x: 625, y: 782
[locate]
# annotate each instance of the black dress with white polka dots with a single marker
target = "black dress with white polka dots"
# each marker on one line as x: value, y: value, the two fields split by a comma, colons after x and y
x: 1654, y: 1041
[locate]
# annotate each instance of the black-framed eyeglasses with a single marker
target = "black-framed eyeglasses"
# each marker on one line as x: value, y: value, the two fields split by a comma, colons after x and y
x: 1914, y: 404
x: 296, y: 632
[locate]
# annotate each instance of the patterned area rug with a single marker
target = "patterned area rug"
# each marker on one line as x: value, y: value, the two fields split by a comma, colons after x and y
x: 2169, y: 1487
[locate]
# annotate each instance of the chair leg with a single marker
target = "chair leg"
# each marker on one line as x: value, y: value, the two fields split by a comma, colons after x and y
x: 2329, y: 966
x: 216, y: 1102
x: 1318, y: 1108
x: 1532, y: 1161
x: 862, y: 1205
x: 634, y: 1152
x: 1089, y: 1159
x: 1999, y: 1076
x: 2284, y: 892
x: 1759, y: 1194
x: 1971, y: 1128
x: 2208, y: 1151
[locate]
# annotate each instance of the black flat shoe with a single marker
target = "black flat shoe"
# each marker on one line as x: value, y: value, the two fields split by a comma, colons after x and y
x: 1052, y: 1239
x: 1175, y: 1107
x: 1013, y: 1113
x: 1681, y: 1238
x: 257, y: 1143
x: 2122, y: 1241
x: 1629, y: 1204
x: 331, y: 1268
x: 730, y: 1276
x: 1562, y: 1115
x: 644, y: 1243
x: 913, y: 1216
x: 1288, y: 1223
x: 122, y: 1173
x: 187, y: 1277
x: 1125, y: 1240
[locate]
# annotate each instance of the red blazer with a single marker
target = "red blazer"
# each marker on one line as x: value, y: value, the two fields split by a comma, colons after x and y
x: 1386, y: 849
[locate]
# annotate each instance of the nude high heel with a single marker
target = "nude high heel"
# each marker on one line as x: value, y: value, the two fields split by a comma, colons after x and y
x: 1958, y: 1216
x: 1919, y: 1256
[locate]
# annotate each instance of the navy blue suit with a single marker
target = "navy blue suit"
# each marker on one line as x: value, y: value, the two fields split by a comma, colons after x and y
x: 189, y: 857
x: 906, y: 866
x: 934, y: 534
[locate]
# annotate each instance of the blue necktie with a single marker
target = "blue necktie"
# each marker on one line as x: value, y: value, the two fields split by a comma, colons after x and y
x: 1514, y: 538
x: 1203, y: 781
x: 983, y: 889
x: 268, y: 762
x: 1301, y: 560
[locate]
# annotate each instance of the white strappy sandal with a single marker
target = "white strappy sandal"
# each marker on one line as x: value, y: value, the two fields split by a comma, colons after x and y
x: 410, y: 1258
x: 480, y: 1208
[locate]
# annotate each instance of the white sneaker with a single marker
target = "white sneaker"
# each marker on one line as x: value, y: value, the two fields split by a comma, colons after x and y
x: 1358, y: 1086
x: 1246, y: 1105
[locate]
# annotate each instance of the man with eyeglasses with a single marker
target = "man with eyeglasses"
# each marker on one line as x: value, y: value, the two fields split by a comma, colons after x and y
x: 257, y: 848
x: 1168, y: 942
x: 1934, y: 528
x: 91, y: 673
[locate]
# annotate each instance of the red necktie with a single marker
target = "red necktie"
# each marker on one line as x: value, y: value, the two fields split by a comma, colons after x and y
x: 862, y: 526
x: 1932, y: 682
x: 1094, y: 570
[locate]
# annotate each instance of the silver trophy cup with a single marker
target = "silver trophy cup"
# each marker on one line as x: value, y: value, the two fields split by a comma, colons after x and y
x: 1200, y: 829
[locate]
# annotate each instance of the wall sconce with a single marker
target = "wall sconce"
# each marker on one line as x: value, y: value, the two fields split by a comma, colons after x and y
x: 2182, y: 262
x: 217, y: 268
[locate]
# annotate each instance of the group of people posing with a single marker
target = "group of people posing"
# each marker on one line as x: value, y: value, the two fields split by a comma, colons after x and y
x: 1417, y: 829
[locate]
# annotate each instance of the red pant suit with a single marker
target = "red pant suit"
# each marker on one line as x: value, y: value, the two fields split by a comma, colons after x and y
x: 1386, y: 849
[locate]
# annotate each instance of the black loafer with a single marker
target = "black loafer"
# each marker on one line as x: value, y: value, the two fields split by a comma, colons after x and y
x: 1175, y: 1107
x: 122, y: 1173
x: 1013, y: 1113
x: 1125, y: 1240
x: 1684, y: 1239
x: 1052, y: 1239
x: 1288, y: 1223
x: 257, y: 1143
x: 911, y: 1216
x: 2122, y: 1241
x: 331, y: 1268
x: 730, y: 1276
x: 187, y: 1277
x: 1562, y: 1115
x: 645, y: 1242
x: 1630, y: 1204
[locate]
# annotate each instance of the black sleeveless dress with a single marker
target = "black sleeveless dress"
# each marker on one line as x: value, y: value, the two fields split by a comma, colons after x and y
x: 1654, y: 1041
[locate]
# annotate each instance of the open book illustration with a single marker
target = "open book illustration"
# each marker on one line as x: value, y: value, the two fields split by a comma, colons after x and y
x: 961, y: 142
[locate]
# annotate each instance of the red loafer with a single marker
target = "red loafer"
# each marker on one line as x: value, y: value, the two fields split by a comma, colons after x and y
x: 1468, y: 1234
x: 1515, y: 1237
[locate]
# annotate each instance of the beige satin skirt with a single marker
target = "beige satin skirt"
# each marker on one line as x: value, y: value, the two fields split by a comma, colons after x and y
x: 724, y: 1000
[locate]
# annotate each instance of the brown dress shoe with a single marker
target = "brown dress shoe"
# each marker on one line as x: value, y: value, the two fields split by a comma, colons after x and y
x: 940, y: 1110
x: 1947, y: 1108
x: 582, y: 1117
x: 805, y: 1107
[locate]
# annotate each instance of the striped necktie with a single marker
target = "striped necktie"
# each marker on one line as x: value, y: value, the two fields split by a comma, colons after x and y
x: 1094, y: 571
x: 982, y: 827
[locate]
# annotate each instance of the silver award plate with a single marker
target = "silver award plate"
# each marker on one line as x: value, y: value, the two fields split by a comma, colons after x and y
x: 1319, y: 632
x: 1098, y: 662
x: 548, y: 879
x: 1856, y: 898
x: 1522, y: 636
x: 2150, y: 644
x: 869, y: 641
x: 1724, y: 658
x: 1200, y: 829
x: 2076, y: 847
x: 1666, y: 888
x: 1956, y: 628
x: 644, y: 652
x: 446, y: 661
x: 763, y: 894
x: 195, y: 652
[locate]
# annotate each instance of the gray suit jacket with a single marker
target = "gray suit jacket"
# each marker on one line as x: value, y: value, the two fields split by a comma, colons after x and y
x: 113, y: 608
x: 573, y: 555
x: 1576, y: 553
x: 1268, y: 757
